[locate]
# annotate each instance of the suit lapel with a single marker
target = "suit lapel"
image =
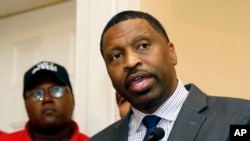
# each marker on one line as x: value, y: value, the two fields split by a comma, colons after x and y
x: 190, y: 119
x: 120, y: 131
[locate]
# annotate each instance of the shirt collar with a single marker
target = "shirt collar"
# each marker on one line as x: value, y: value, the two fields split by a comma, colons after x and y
x: 168, y: 111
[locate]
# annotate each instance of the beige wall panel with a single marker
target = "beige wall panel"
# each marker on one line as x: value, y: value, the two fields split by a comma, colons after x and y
x: 212, y: 42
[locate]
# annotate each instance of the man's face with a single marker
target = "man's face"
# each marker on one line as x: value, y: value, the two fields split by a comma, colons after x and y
x: 50, y: 112
x: 140, y: 63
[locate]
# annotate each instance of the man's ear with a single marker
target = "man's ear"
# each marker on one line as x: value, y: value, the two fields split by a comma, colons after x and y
x: 172, y: 53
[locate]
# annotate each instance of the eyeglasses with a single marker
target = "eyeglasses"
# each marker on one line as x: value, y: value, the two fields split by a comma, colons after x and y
x: 38, y: 94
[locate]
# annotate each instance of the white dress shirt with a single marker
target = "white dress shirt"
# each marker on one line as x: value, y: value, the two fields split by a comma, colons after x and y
x: 168, y: 112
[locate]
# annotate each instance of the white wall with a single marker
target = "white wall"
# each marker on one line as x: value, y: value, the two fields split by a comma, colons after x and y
x: 67, y: 33
x: 92, y: 81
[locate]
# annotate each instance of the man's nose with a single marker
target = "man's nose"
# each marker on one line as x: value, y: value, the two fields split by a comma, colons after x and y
x: 131, y: 60
x: 47, y: 96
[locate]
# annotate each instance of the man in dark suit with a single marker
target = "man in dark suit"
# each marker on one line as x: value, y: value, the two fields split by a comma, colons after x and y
x: 140, y: 60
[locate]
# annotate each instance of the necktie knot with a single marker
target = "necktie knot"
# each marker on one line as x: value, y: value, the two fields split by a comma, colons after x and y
x: 150, y: 121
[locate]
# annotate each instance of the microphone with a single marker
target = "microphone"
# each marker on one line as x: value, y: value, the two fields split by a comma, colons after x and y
x: 156, y: 134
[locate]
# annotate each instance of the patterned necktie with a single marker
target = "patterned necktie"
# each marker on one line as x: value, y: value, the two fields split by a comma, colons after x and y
x: 150, y: 122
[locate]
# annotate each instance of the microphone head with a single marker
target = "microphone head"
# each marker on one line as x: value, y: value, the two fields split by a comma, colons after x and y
x: 159, y: 133
x: 156, y: 134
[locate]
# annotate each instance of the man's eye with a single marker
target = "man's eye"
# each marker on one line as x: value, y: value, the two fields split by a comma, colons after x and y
x: 57, y: 91
x: 116, y: 56
x: 144, y: 45
x: 37, y: 93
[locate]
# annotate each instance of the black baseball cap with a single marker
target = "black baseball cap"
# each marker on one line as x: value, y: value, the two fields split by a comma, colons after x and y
x: 58, y: 70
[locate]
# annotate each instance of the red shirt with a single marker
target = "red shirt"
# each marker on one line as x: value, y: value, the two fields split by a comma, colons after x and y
x: 2, y: 133
x: 23, y: 135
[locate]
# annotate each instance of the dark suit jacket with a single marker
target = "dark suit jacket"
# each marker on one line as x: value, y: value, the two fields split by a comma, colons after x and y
x: 201, y: 118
